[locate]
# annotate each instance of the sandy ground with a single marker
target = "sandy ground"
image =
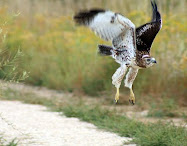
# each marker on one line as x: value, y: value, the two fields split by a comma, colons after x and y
x: 33, y: 125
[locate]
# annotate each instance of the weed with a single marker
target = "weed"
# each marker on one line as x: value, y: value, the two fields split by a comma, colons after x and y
x: 3, y: 141
x: 13, y: 143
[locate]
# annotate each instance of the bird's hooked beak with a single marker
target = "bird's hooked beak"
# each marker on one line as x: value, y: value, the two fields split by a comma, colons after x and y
x: 153, y: 60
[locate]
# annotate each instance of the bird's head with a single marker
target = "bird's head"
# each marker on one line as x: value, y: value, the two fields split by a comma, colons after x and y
x: 148, y: 60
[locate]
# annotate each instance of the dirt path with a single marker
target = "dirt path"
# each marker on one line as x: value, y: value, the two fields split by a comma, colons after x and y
x: 34, y: 125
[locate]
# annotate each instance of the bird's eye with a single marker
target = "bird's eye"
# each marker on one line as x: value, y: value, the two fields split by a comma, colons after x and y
x: 148, y: 59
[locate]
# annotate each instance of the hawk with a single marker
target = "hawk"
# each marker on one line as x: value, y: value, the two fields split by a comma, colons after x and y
x: 130, y: 45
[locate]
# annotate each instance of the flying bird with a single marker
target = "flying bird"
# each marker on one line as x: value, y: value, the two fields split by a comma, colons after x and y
x: 130, y: 45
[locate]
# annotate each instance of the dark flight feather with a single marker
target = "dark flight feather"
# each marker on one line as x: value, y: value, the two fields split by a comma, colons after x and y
x: 146, y: 33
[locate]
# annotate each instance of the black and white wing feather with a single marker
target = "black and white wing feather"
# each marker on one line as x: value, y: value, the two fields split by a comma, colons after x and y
x: 109, y: 26
x: 146, y: 33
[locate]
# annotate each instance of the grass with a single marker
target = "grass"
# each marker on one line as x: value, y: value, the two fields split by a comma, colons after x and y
x: 11, y: 143
x: 167, y: 108
x: 143, y: 134
x: 150, y: 134
x: 62, y: 56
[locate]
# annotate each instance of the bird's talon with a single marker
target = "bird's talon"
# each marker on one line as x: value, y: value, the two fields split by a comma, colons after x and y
x: 132, y: 97
x: 115, y: 101
x: 132, y: 101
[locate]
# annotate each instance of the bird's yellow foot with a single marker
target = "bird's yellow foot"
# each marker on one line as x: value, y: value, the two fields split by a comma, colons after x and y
x: 117, y: 95
x: 132, y: 97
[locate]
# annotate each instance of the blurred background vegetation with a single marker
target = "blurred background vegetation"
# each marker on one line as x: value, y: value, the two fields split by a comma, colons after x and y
x: 60, y: 55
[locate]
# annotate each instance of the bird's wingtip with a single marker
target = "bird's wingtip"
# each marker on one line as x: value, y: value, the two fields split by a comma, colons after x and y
x: 156, y: 14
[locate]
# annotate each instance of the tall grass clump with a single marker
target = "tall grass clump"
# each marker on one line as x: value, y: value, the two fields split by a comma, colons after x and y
x: 62, y: 56
x: 10, y: 59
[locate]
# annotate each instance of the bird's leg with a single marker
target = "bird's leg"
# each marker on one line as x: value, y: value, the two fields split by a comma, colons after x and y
x: 132, y: 97
x: 117, y: 95
x: 130, y: 77
x: 117, y: 78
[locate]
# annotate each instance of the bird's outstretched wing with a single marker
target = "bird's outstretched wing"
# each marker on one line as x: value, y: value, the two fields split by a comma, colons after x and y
x: 109, y: 26
x: 146, y: 33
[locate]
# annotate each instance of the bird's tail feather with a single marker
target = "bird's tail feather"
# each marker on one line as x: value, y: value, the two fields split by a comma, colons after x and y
x: 105, y: 50
x: 85, y: 17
